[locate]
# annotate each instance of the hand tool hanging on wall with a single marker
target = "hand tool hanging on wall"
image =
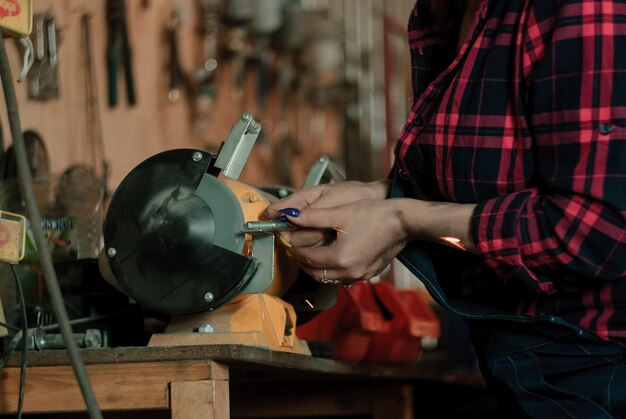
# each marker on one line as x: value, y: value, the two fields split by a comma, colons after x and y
x: 37, y: 156
x: 322, y: 59
x: 202, y: 76
x: 294, y: 33
x: 43, y: 79
x: 209, y: 14
x: 266, y: 21
x: 29, y: 57
x: 93, y: 125
x: 174, y: 68
x: 119, y: 51
x: 11, y: 192
x: 16, y: 20
x: 238, y: 15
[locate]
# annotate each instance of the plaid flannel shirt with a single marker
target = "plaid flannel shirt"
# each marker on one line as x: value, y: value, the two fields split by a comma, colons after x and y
x: 528, y: 121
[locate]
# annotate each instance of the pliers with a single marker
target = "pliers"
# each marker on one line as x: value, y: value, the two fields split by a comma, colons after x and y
x: 119, y: 51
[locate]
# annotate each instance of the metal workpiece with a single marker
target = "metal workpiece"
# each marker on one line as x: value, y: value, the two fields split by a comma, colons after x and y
x: 237, y: 147
x: 92, y: 338
x: 266, y: 227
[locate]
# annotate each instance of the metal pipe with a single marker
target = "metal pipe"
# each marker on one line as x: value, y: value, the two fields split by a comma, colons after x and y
x: 40, y: 240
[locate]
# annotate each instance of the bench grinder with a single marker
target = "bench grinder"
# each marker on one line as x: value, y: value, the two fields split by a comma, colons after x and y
x: 183, y: 236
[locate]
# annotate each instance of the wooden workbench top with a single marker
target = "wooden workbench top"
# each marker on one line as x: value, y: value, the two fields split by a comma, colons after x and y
x: 242, y: 358
x: 206, y: 381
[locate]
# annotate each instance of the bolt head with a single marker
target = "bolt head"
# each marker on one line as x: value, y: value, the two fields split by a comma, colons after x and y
x: 93, y: 338
x: 197, y: 156
x: 208, y: 297
x: 246, y: 117
x: 256, y: 127
x: 111, y: 252
x: 206, y: 328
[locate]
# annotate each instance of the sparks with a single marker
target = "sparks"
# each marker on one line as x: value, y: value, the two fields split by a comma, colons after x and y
x: 454, y: 241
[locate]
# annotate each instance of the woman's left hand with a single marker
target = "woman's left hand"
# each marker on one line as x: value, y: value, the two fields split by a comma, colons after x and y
x: 364, y: 238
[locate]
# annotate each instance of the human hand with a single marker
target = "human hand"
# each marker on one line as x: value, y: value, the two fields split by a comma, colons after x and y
x: 323, y: 196
x: 348, y: 231
x: 367, y: 235
x: 328, y: 195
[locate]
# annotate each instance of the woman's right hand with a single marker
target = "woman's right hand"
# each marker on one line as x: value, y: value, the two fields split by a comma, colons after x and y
x: 328, y: 195
x: 323, y: 196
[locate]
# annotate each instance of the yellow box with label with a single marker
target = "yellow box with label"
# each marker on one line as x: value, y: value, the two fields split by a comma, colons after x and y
x: 16, y: 17
x: 12, y: 237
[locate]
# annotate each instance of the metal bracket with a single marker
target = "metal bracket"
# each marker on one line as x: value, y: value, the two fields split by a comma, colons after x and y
x: 263, y: 252
x: 234, y: 153
x: 322, y: 167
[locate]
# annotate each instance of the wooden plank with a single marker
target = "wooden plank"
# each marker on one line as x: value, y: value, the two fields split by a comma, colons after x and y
x: 207, y: 399
x: 116, y: 386
x: 240, y: 357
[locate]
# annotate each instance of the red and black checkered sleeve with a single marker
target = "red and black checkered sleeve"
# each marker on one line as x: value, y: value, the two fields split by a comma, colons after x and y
x: 570, y: 228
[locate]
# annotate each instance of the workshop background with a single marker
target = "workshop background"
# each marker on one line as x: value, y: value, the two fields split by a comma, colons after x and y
x: 322, y: 77
x: 322, y: 81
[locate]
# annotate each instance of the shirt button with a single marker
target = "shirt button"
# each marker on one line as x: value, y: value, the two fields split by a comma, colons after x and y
x: 402, y: 174
x: 605, y: 129
x: 418, y: 121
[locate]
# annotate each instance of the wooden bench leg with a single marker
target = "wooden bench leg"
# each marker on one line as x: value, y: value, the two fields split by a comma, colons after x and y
x: 200, y: 400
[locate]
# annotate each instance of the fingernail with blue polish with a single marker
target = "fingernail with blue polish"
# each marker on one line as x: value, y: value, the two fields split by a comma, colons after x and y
x: 282, y: 218
x: 292, y: 212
